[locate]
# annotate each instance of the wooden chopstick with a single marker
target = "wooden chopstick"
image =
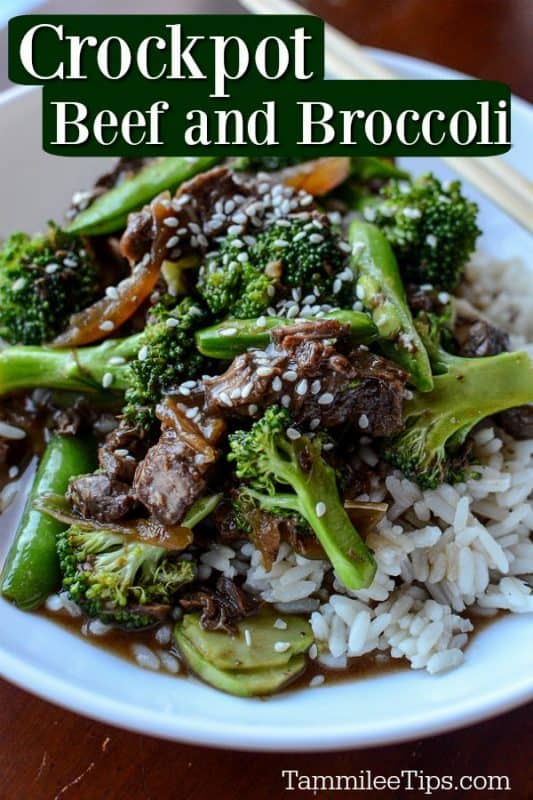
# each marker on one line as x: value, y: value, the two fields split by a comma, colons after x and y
x: 493, y: 176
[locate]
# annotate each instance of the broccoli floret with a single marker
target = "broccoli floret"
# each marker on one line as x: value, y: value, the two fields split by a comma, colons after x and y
x: 116, y: 579
x: 437, y: 423
x: 142, y: 367
x: 307, y: 255
x: 431, y: 227
x: 166, y: 355
x: 42, y: 282
x: 230, y: 282
x: 268, y: 461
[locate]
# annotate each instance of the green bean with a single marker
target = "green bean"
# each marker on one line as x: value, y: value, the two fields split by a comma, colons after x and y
x: 234, y: 336
x: 380, y: 288
x: 110, y: 211
x: 31, y: 570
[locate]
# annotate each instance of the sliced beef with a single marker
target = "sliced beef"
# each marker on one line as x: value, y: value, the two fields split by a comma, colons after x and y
x: 478, y: 338
x: 517, y: 422
x: 173, y: 473
x: 222, y: 607
x: 121, y: 452
x: 97, y: 496
x: 322, y: 386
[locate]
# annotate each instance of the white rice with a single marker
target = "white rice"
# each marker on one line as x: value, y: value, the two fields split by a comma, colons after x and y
x: 440, y: 553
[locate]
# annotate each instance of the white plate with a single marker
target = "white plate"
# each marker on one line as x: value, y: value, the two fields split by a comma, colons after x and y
x: 47, y: 660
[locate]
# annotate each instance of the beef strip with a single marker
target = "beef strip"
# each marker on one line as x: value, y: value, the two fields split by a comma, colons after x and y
x: 174, y: 472
x: 477, y: 338
x: 517, y: 422
x: 97, y: 496
x: 204, y: 208
x: 222, y: 607
x: 306, y: 372
x: 121, y: 452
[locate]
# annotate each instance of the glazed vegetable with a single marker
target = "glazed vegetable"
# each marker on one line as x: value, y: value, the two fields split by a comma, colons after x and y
x: 380, y: 288
x: 431, y: 226
x: 119, y: 580
x: 167, y: 350
x: 247, y: 663
x: 31, y: 571
x: 429, y: 450
x: 317, y: 177
x: 230, y: 338
x: 42, y: 281
x: 147, y: 530
x: 110, y: 211
x: 266, y: 459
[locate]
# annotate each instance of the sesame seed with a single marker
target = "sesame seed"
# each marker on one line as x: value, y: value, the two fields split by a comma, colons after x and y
x: 290, y: 376
x: 271, y: 291
x: 184, y: 390
x: 293, y: 434
x: 246, y: 390
x: 228, y: 331
x: 306, y: 200
x: 170, y: 222
x: 252, y: 409
x: 316, y: 238
x: 318, y: 680
x: 19, y: 284
x: 337, y: 286
x: 412, y: 213
x: 301, y: 387
x: 363, y: 421
x: 242, y: 257
x: 194, y: 227
x: 293, y: 311
x: 285, y: 401
x: 172, y: 242
x: 443, y: 297
x: 225, y: 398
x: 115, y: 361
x: 320, y: 509
x: 106, y: 325
x: 172, y: 322
x: 13, y: 472
x: 325, y: 399
x: 112, y: 292
x: 431, y: 240
x: 143, y: 353
x: 70, y: 262
x: 235, y: 393
x: 51, y: 268
x: 299, y: 236
x: 261, y: 321
x: 281, y: 242
x: 313, y: 652
x: 237, y: 243
x: 281, y: 647
x: 121, y: 451
x: 234, y: 230
x: 277, y: 385
x: 314, y: 423
x: 280, y: 624
x: 107, y: 380
x: 264, y: 372
x: 189, y: 384
x: 191, y: 412
x: 247, y: 637
x: 239, y: 218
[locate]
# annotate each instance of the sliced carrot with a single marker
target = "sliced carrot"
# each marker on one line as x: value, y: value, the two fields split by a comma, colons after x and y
x: 317, y: 177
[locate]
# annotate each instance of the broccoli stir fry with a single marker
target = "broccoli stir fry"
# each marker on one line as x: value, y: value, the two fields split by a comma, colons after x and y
x: 203, y: 354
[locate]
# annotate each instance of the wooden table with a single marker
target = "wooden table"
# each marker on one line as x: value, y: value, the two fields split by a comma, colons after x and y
x: 47, y: 753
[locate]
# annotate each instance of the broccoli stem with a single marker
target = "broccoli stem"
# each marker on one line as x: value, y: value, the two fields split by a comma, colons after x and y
x: 317, y: 500
x: 83, y: 369
x: 472, y: 389
x: 381, y: 290
x: 234, y: 336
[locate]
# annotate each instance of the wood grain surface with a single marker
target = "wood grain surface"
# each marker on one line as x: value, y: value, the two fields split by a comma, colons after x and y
x: 47, y: 753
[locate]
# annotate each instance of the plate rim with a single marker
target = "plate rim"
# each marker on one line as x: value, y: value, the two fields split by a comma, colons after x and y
x: 232, y: 735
